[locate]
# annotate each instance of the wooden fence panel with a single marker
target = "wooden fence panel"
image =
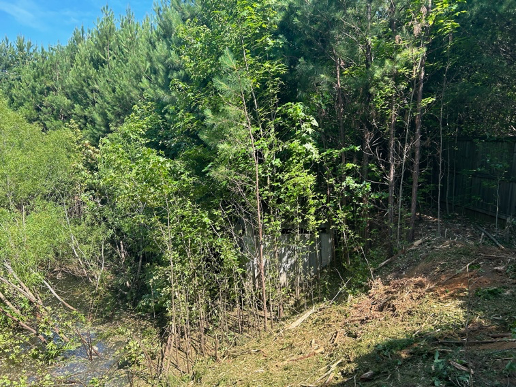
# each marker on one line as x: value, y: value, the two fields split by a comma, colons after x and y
x: 481, y: 176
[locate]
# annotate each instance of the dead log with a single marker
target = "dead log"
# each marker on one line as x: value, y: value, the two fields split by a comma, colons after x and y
x: 300, y: 320
x: 476, y: 342
x: 490, y: 237
x: 403, y: 251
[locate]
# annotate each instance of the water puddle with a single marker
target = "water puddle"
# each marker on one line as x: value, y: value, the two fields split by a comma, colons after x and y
x: 94, y: 361
x: 82, y: 366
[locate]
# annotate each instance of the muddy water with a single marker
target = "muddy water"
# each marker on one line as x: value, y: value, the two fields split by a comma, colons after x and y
x: 78, y: 366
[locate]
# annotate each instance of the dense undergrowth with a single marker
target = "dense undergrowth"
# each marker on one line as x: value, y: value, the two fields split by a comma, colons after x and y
x: 193, y: 172
x: 440, y: 314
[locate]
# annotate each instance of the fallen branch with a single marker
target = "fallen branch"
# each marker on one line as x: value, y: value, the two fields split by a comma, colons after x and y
x: 329, y: 374
x: 19, y: 290
x: 6, y: 301
x: 497, y: 256
x: 367, y: 376
x: 403, y: 251
x: 490, y: 237
x: 59, y: 298
x: 456, y: 273
x: 500, y: 335
x: 476, y: 342
x: 23, y: 325
x: 35, y: 298
x: 461, y: 367
x: 300, y: 320
x: 390, y: 259
x: 313, y: 353
x: 335, y: 337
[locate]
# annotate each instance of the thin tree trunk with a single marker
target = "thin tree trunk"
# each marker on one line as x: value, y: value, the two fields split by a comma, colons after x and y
x: 392, y: 143
x: 406, y: 148
x: 392, y: 173
x: 441, y: 142
x: 417, y: 140
x: 368, y: 62
x: 340, y: 107
x: 261, y: 262
x: 417, y: 150
x: 366, y: 142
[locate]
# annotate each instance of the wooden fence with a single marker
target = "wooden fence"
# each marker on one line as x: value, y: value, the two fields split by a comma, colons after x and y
x: 480, y: 176
x: 291, y: 256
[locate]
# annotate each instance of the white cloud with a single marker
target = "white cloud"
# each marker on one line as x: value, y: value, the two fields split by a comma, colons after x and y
x: 22, y: 11
x: 52, y: 20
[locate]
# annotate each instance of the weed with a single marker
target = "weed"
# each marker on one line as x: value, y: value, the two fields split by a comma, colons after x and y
x: 488, y: 293
x: 510, y: 368
x: 393, y: 346
x: 439, y: 369
x: 474, y: 267
x: 511, y: 271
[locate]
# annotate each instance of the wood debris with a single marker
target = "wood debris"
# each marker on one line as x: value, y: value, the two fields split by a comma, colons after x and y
x: 461, y: 367
x: 300, y: 320
x: 367, y: 376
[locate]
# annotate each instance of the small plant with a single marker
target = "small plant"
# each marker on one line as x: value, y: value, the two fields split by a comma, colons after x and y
x: 513, y: 329
x: 511, y: 271
x: 440, y: 370
x: 389, y: 348
x: 444, y: 373
x: 510, y: 368
x: 488, y: 293
x: 97, y: 382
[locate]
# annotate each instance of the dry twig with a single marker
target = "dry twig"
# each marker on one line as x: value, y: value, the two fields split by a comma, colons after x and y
x: 329, y: 374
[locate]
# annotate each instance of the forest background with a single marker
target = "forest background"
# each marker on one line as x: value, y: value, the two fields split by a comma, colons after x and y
x: 139, y: 155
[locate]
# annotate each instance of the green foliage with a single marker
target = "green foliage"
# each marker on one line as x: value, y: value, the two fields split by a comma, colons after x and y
x: 149, y: 204
x: 488, y: 293
x: 38, y: 179
x: 32, y: 241
x: 220, y: 120
x: 33, y: 164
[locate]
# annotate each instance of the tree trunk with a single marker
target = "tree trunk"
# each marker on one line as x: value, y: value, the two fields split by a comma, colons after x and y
x: 259, y: 225
x: 417, y: 150
x: 392, y: 174
x: 417, y: 138
x: 340, y: 107
x: 391, y: 153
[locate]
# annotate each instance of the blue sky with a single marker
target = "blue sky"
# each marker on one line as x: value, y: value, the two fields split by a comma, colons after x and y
x: 47, y: 22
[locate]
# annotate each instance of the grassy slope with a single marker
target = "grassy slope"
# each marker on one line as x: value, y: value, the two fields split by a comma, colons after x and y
x: 442, y: 314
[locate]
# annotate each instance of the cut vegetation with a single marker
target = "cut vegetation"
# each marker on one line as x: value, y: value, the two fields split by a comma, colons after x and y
x: 443, y: 314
